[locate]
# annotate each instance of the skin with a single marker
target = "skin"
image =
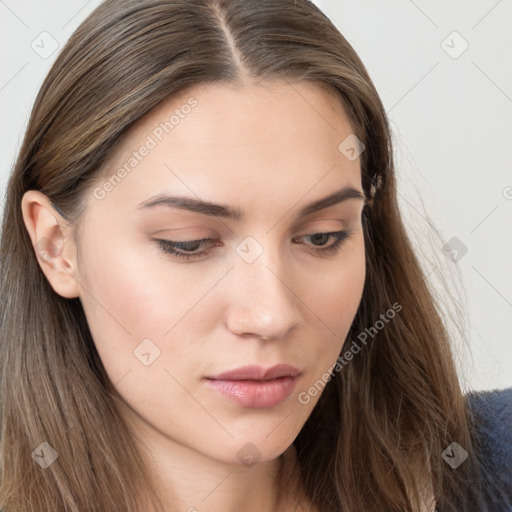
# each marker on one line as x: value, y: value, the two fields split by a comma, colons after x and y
x: 269, y: 150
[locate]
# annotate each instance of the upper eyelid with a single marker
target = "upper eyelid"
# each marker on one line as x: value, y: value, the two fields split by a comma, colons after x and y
x: 301, y: 233
x: 346, y: 222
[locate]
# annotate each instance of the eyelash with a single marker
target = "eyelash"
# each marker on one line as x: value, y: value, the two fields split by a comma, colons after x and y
x: 169, y: 246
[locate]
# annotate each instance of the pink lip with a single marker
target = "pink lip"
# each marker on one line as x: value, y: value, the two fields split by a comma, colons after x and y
x: 256, y: 372
x: 254, y: 386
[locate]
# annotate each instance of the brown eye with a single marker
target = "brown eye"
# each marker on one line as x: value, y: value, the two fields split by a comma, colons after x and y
x: 319, y: 239
x: 184, y: 250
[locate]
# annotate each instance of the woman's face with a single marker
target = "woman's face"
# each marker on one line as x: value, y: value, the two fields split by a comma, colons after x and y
x: 264, y: 288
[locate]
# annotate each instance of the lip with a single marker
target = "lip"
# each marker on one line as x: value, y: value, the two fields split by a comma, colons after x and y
x: 255, y: 386
x: 257, y: 372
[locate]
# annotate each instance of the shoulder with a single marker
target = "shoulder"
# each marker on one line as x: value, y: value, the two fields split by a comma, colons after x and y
x: 491, y: 424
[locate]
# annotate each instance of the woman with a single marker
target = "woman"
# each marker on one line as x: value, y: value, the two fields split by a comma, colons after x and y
x: 209, y: 301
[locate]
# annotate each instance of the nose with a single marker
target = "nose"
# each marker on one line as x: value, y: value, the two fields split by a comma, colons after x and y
x: 262, y: 300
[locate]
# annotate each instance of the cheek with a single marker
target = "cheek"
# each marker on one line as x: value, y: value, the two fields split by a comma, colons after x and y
x: 124, y: 304
x: 335, y: 296
x: 336, y: 291
x: 134, y: 309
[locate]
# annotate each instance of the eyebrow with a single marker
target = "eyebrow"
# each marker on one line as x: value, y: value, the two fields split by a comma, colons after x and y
x: 229, y: 212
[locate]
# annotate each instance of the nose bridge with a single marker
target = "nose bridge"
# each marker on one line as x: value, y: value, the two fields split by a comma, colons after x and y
x: 262, y: 302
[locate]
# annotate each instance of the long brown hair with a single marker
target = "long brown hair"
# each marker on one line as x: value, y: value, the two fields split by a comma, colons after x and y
x: 382, y: 422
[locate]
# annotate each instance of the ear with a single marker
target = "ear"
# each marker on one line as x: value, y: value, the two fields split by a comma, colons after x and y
x: 53, y: 243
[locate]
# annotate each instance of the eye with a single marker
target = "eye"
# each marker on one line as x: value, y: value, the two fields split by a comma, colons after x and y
x: 320, y: 239
x: 176, y: 248
x: 189, y: 249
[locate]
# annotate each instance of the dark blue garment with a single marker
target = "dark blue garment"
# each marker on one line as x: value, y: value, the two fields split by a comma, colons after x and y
x: 491, y: 432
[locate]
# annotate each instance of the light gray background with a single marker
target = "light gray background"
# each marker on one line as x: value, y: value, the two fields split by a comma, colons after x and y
x: 451, y: 115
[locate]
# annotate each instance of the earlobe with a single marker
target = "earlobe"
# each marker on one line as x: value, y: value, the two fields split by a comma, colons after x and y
x: 53, y: 244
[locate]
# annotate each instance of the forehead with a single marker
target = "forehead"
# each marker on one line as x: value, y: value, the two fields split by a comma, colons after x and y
x: 219, y: 113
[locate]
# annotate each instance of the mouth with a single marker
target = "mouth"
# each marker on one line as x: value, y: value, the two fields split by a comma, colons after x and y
x: 255, y: 386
